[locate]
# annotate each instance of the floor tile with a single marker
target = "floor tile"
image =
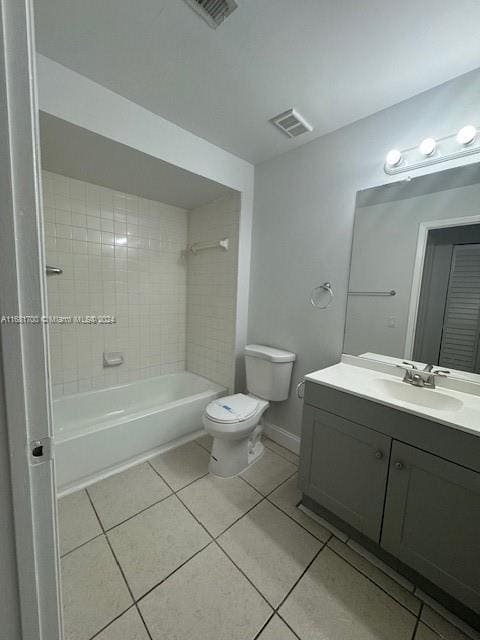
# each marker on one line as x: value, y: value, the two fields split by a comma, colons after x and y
x: 276, y: 629
x: 94, y: 591
x: 125, y: 494
x: 182, y: 465
x: 282, y: 451
x: 215, y: 600
x: 443, y: 627
x: 286, y: 497
x: 218, y: 502
x: 205, y: 441
x: 271, y: 549
x: 424, y: 633
x: 268, y: 472
x: 154, y: 543
x: 128, y: 627
x: 373, y: 559
x: 379, y: 577
x: 77, y: 521
x: 333, y: 601
x: 338, y: 533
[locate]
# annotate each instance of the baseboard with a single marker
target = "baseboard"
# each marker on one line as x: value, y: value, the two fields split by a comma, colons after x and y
x: 282, y: 437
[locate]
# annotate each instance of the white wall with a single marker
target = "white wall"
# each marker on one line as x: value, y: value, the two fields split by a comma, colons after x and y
x: 212, y: 291
x: 304, y: 209
x: 75, y: 99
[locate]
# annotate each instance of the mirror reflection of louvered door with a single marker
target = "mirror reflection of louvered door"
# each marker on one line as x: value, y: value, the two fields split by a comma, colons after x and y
x: 461, y: 325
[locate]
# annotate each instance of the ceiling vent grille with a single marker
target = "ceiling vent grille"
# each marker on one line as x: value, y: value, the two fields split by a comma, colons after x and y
x: 291, y: 123
x: 214, y: 12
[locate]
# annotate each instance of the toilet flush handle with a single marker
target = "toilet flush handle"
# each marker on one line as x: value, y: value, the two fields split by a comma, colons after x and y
x: 299, y: 387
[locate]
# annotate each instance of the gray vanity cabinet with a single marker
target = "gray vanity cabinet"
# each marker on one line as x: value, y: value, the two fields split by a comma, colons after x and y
x: 408, y: 486
x: 348, y: 469
x: 432, y: 520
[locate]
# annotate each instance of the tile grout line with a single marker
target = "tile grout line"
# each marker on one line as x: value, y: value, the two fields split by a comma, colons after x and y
x: 417, y: 622
x: 264, y: 626
x: 147, y: 593
x: 330, y: 534
x: 97, y: 633
x: 288, y: 625
x: 280, y: 453
x: 265, y: 495
x: 214, y: 539
x: 67, y: 553
x: 373, y: 581
x: 117, y: 563
x: 289, y: 592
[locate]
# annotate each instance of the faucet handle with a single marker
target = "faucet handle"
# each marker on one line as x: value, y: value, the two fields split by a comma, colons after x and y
x: 406, y: 365
x: 443, y: 373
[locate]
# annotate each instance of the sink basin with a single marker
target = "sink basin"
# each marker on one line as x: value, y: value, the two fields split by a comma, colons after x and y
x: 419, y: 396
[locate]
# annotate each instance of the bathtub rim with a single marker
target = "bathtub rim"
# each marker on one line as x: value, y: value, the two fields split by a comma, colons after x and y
x: 216, y: 390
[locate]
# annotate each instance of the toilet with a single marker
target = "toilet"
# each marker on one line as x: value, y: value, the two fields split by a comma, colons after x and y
x: 233, y: 421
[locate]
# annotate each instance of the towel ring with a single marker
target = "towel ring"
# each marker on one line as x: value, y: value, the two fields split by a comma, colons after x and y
x: 317, y: 295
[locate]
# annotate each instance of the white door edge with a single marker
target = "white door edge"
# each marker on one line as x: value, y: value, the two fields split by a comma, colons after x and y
x: 24, y: 346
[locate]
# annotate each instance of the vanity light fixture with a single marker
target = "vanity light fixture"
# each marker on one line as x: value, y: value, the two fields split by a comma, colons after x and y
x: 428, y: 147
x: 394, y: 157
x: 465, y: 142
x: 467, y: 135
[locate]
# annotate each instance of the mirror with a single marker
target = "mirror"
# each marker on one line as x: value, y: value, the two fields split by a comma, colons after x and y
x: 414, y: 288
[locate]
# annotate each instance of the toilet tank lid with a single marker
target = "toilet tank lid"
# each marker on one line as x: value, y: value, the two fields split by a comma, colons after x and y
x: 269, y: 353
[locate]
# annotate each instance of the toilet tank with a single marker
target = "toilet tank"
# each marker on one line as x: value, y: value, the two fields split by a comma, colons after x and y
x: 269, y: 371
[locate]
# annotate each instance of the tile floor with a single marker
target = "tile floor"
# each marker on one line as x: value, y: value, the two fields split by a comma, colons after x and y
x: 163, y: 551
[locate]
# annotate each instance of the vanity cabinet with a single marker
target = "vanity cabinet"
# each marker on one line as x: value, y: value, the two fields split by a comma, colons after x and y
x: 349, y: 469
x: 432, y: 520
x: 407, y: 484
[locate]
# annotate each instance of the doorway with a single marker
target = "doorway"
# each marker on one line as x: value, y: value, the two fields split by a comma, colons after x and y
x: 448, y: 325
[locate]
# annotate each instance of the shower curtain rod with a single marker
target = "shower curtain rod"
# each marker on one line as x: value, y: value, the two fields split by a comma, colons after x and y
x: 201, y: 246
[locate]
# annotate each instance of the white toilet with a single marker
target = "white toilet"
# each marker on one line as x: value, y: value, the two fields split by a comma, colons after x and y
x: 233, y: 421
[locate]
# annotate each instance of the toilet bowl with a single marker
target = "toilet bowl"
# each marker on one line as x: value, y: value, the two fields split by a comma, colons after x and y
x: 234, y: 421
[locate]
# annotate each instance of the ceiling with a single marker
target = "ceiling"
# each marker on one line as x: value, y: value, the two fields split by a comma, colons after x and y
x: 81, y: 154
x: 336, y: 61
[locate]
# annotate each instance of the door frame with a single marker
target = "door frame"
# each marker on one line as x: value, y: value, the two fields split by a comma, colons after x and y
x: 422, y: 240
x: 24, y: 347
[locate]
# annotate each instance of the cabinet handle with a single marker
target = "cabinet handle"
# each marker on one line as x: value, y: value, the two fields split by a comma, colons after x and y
x: 378, y: 454
x: 399, y: 465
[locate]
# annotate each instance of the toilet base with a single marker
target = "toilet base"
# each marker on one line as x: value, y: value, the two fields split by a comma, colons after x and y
x: 231, y: 457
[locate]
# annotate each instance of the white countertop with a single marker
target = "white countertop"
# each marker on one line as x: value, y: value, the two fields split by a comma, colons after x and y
x: 374, y: 381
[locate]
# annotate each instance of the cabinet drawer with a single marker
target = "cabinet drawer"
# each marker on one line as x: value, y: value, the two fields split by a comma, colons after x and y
x: 432, y: 521
x: 345, y: 467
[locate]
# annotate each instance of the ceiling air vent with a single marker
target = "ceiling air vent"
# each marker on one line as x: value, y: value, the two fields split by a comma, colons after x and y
x: 213, y: 12
x: 291, y: 123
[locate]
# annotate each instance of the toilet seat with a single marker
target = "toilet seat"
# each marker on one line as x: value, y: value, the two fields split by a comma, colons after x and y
x: 232, y: 409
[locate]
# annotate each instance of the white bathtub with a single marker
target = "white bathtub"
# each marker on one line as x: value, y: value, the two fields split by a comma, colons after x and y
x: 97, y: 432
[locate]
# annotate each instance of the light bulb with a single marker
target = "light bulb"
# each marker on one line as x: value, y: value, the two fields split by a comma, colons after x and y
x: 428, y: 146
x: 467, y: 135
x: 394, y: 157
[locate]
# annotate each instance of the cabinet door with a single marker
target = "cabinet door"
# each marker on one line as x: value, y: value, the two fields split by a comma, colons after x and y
x: 346, y: 470
x: 432, y: 521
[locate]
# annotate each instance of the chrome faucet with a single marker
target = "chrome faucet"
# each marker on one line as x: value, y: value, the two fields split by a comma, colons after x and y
x: 421, y: 377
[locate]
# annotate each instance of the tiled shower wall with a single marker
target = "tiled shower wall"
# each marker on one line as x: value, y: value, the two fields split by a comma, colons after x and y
x: 212, y: 291
x: 123, y: 256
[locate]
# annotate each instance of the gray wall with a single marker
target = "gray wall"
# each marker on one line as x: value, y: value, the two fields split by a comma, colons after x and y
x: 303, y: 218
